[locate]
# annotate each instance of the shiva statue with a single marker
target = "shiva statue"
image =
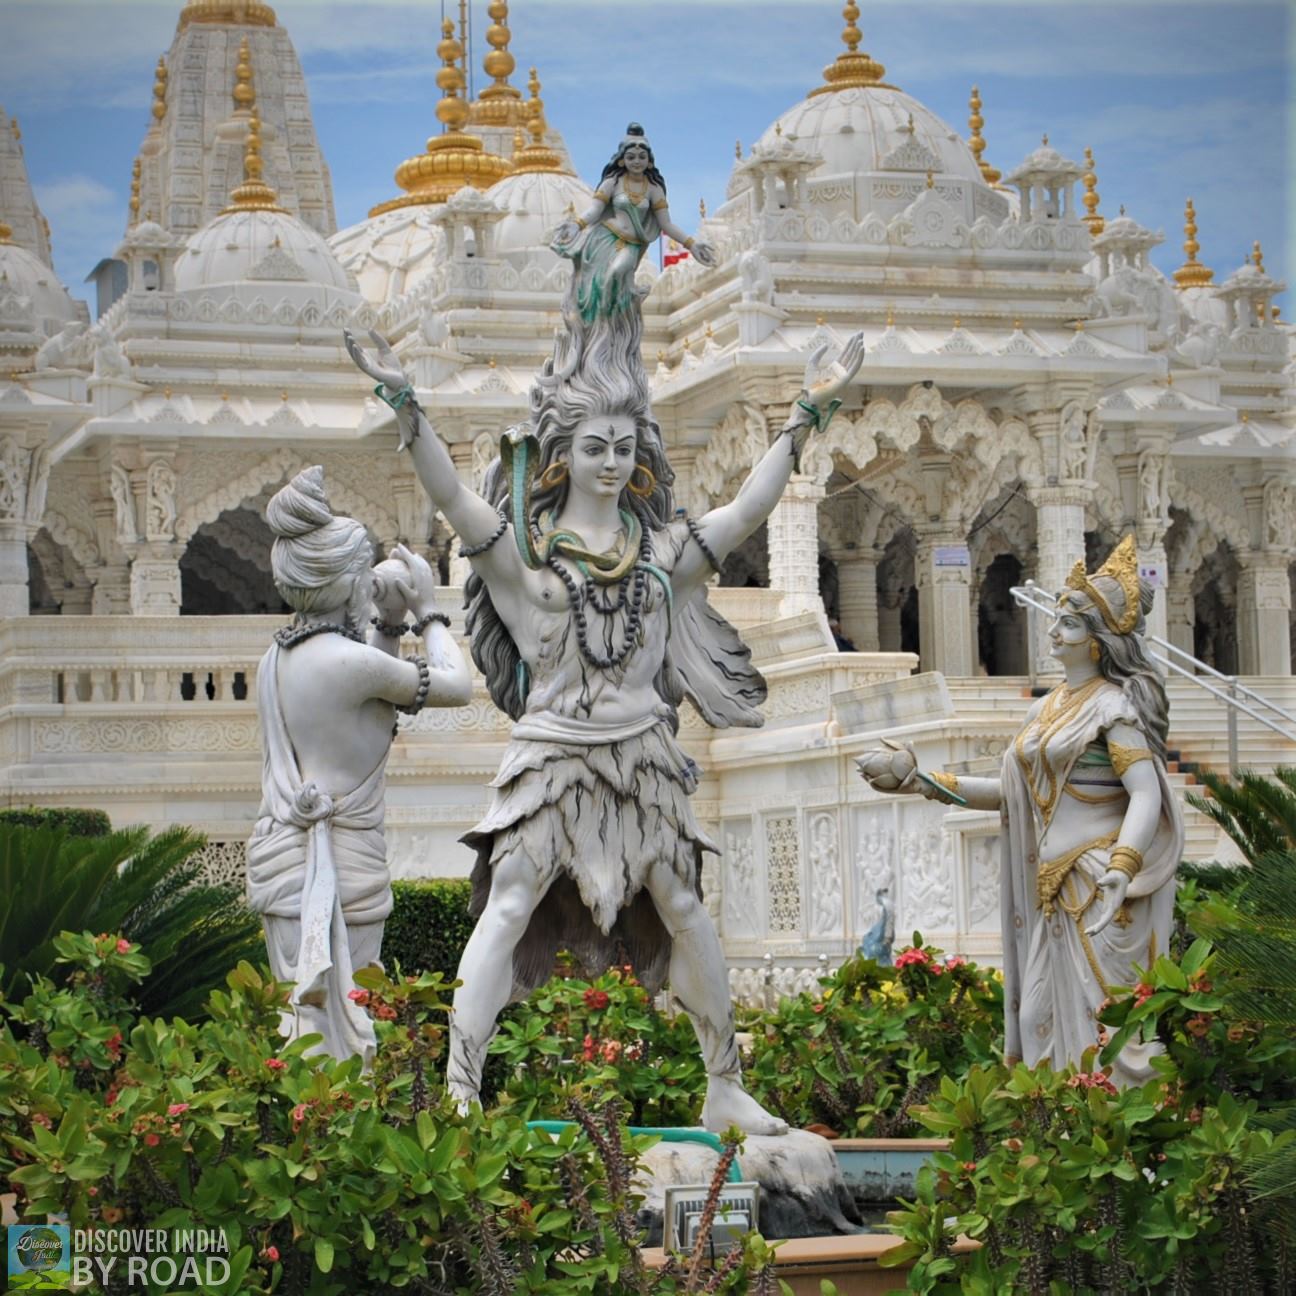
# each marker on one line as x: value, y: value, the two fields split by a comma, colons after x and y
x: 1092, y: 831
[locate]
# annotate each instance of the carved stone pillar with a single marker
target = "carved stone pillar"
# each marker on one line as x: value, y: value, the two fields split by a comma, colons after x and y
x: 1059, y: 530
x: 15, y: 598
x: 943, y: 569
x: 890, y: 598
x: 794, y: 547
x: 1264, y: 613
x: 462, y: 454
x: 1180, y: 606
x: 111, y: 595
x: 857, y: 597
x: 155, y: 579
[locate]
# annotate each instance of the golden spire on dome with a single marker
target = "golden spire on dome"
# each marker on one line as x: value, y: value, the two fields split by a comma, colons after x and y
x: 6, y: 234
x: 15, y: 128
x: 537, y: 155
x: 159, y: 91
x: 253, y: 194
x: 977, y: 141
x: 453, y: 159
x: 499, y: 104
x: 135, y: 192
x: 1091, y: 218
x: 244, y: 94
x: 1192, y: 274
x: 1257, y: 256
x: 852, y: 70
x: 240, y: 13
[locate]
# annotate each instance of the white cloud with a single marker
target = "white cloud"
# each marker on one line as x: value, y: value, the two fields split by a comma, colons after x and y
x: 84, y: 216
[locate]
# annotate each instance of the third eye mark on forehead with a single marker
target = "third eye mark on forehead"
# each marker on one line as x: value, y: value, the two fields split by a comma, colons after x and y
x: 602, y: 438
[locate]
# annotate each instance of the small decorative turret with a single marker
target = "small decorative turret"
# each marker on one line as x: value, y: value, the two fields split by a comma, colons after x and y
x: 253, y: 194
x: 977, y: 141
x: 851, y: 70
x: 1257, y: 256
x: 1090, y: 200
x: 452, y: 159
x: 1192, y: 274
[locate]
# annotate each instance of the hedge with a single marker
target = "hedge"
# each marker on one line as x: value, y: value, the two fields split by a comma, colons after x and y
x: 429, y: 925
x: 76, y: 822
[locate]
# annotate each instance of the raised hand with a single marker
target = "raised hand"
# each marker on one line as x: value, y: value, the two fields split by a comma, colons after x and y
x: 382, y: 366
x: 840, y: 373
x: 419, y: 591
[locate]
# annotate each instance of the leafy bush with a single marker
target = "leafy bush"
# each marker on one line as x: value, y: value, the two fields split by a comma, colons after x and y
x: 143, y: 887
x: 874, y: 1046
x: 603, y: 1036
x: 325, y: 1180
x: 429, y: 925
x: 1257, y: 811
x: 76, y: 822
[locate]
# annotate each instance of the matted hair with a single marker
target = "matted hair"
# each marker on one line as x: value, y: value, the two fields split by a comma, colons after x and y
x: 316, y: 556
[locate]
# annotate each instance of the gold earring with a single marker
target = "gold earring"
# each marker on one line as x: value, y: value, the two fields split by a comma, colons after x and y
x: 642, y: 491
x: 554, y: 475
x: 1095, y: 652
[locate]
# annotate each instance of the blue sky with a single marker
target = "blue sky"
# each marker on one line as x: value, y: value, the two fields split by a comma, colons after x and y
x: 1176, y: 97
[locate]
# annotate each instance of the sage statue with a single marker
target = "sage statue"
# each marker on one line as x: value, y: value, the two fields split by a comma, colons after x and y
x: 1092, y: 831
x: 588, y: 617
x: 327, y: 698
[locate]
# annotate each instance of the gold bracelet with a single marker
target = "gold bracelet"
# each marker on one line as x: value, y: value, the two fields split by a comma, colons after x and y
x: 688, y: 243
x: 947, y: 780
x: 580, y: 224
x: 1125, y: 859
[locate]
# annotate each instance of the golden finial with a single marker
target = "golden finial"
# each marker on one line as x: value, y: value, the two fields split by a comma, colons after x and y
x: 1192, y: 274
x: 1257, y: 256
x: 890, y: 316
x: 244, y: 95
x: 931, y: 178
x: 1274, y: 313
x: 1017, y: 325
x: 15, y: 128
x: 738, y: 150
x: 819, y: 319
x: 166, y: 392
x: 453, y: 159
x: 135, y: 192
x: 1246, y: 418
x: 6, y: 233
x: 852, y: 70
x: 958, y: 323
x: 1091, y: 218
x: 977, y: 142
x: 253, y: 194
x: 537, y: 155
x: 499, y: 104
x: 241, y: 13
x: 702, y: 211
x: 159, y: 90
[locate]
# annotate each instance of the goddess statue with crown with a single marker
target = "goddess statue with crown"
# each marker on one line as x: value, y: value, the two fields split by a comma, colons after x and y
x: 1092, y: 831
x: 588, y: 618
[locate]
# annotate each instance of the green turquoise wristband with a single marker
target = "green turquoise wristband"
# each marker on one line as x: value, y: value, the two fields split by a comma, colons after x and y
x: 404, y: 396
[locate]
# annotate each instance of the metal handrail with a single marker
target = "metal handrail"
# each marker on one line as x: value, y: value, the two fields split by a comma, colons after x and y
x: 1032, y: 596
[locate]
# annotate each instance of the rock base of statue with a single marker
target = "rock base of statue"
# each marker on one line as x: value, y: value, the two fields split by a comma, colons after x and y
x: 803, y: 1193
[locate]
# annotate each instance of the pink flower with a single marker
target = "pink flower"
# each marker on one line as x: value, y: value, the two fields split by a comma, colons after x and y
x: 360, y: 997
x: 910, y: 957
x: 1142, y: 993
x: 123, y: 945
x: 587, y: 1048
x: 270, y: 1253
x: 152, y: 1140
x: 298, y: 1115
x: 177, y: 1108
x: 611, y: 1050
x: 385, y: 1012
x: 596, y: 1000
x: 275, y: 1064
x: 955, y: 960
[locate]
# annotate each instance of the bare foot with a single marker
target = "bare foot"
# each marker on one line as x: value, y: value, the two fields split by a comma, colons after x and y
x: 464, y: 1097
x: 728, y: 1103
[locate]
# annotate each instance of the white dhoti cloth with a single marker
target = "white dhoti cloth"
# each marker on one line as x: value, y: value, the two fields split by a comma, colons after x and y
x: 317, y: 865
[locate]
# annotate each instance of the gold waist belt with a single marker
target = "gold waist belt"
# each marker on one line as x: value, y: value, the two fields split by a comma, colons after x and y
x: 1053, y: 873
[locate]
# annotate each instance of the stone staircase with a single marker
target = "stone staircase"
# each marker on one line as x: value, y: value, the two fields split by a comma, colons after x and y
x: 1198, y: 737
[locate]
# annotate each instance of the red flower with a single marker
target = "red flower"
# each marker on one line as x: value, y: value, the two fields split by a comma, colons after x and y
x: 587, y: 1048
x: 596, y: 1000
x: 385, y: 1012
x: 152, y: 1140
x: 275, y: 1064
x: 123, y: 945
x: 177, y: 1108
x: 910, y: 957
x: 270, y: 1253
x: 1142, y: 993
x: 298, y: 1115
x: 819, y: 1007
x: 611, y: 1050
x: 955, y: 960
x: 1199, y: 1025
x: 42, y: 1120
x: 360, y: 997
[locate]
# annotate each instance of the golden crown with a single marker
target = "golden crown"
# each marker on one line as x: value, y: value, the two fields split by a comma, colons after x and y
x: 1121, y: 568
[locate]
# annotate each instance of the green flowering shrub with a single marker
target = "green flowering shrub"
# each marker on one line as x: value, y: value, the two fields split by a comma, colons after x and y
x: 324, y: 1179
x: 602, y: 1036
x: 876, y: 1043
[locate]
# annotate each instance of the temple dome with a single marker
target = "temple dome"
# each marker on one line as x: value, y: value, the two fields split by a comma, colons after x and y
x: 536, y: 202
x: 242, y: 245
x: 27, y: 276
x: 388, y: 254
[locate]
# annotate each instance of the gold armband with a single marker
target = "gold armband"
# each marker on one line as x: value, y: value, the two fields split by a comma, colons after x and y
x: 580, y: 223
x: 688, y: 243
x: 660, y: 205
x: 1123, y: 757
x: 1125, y: 859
